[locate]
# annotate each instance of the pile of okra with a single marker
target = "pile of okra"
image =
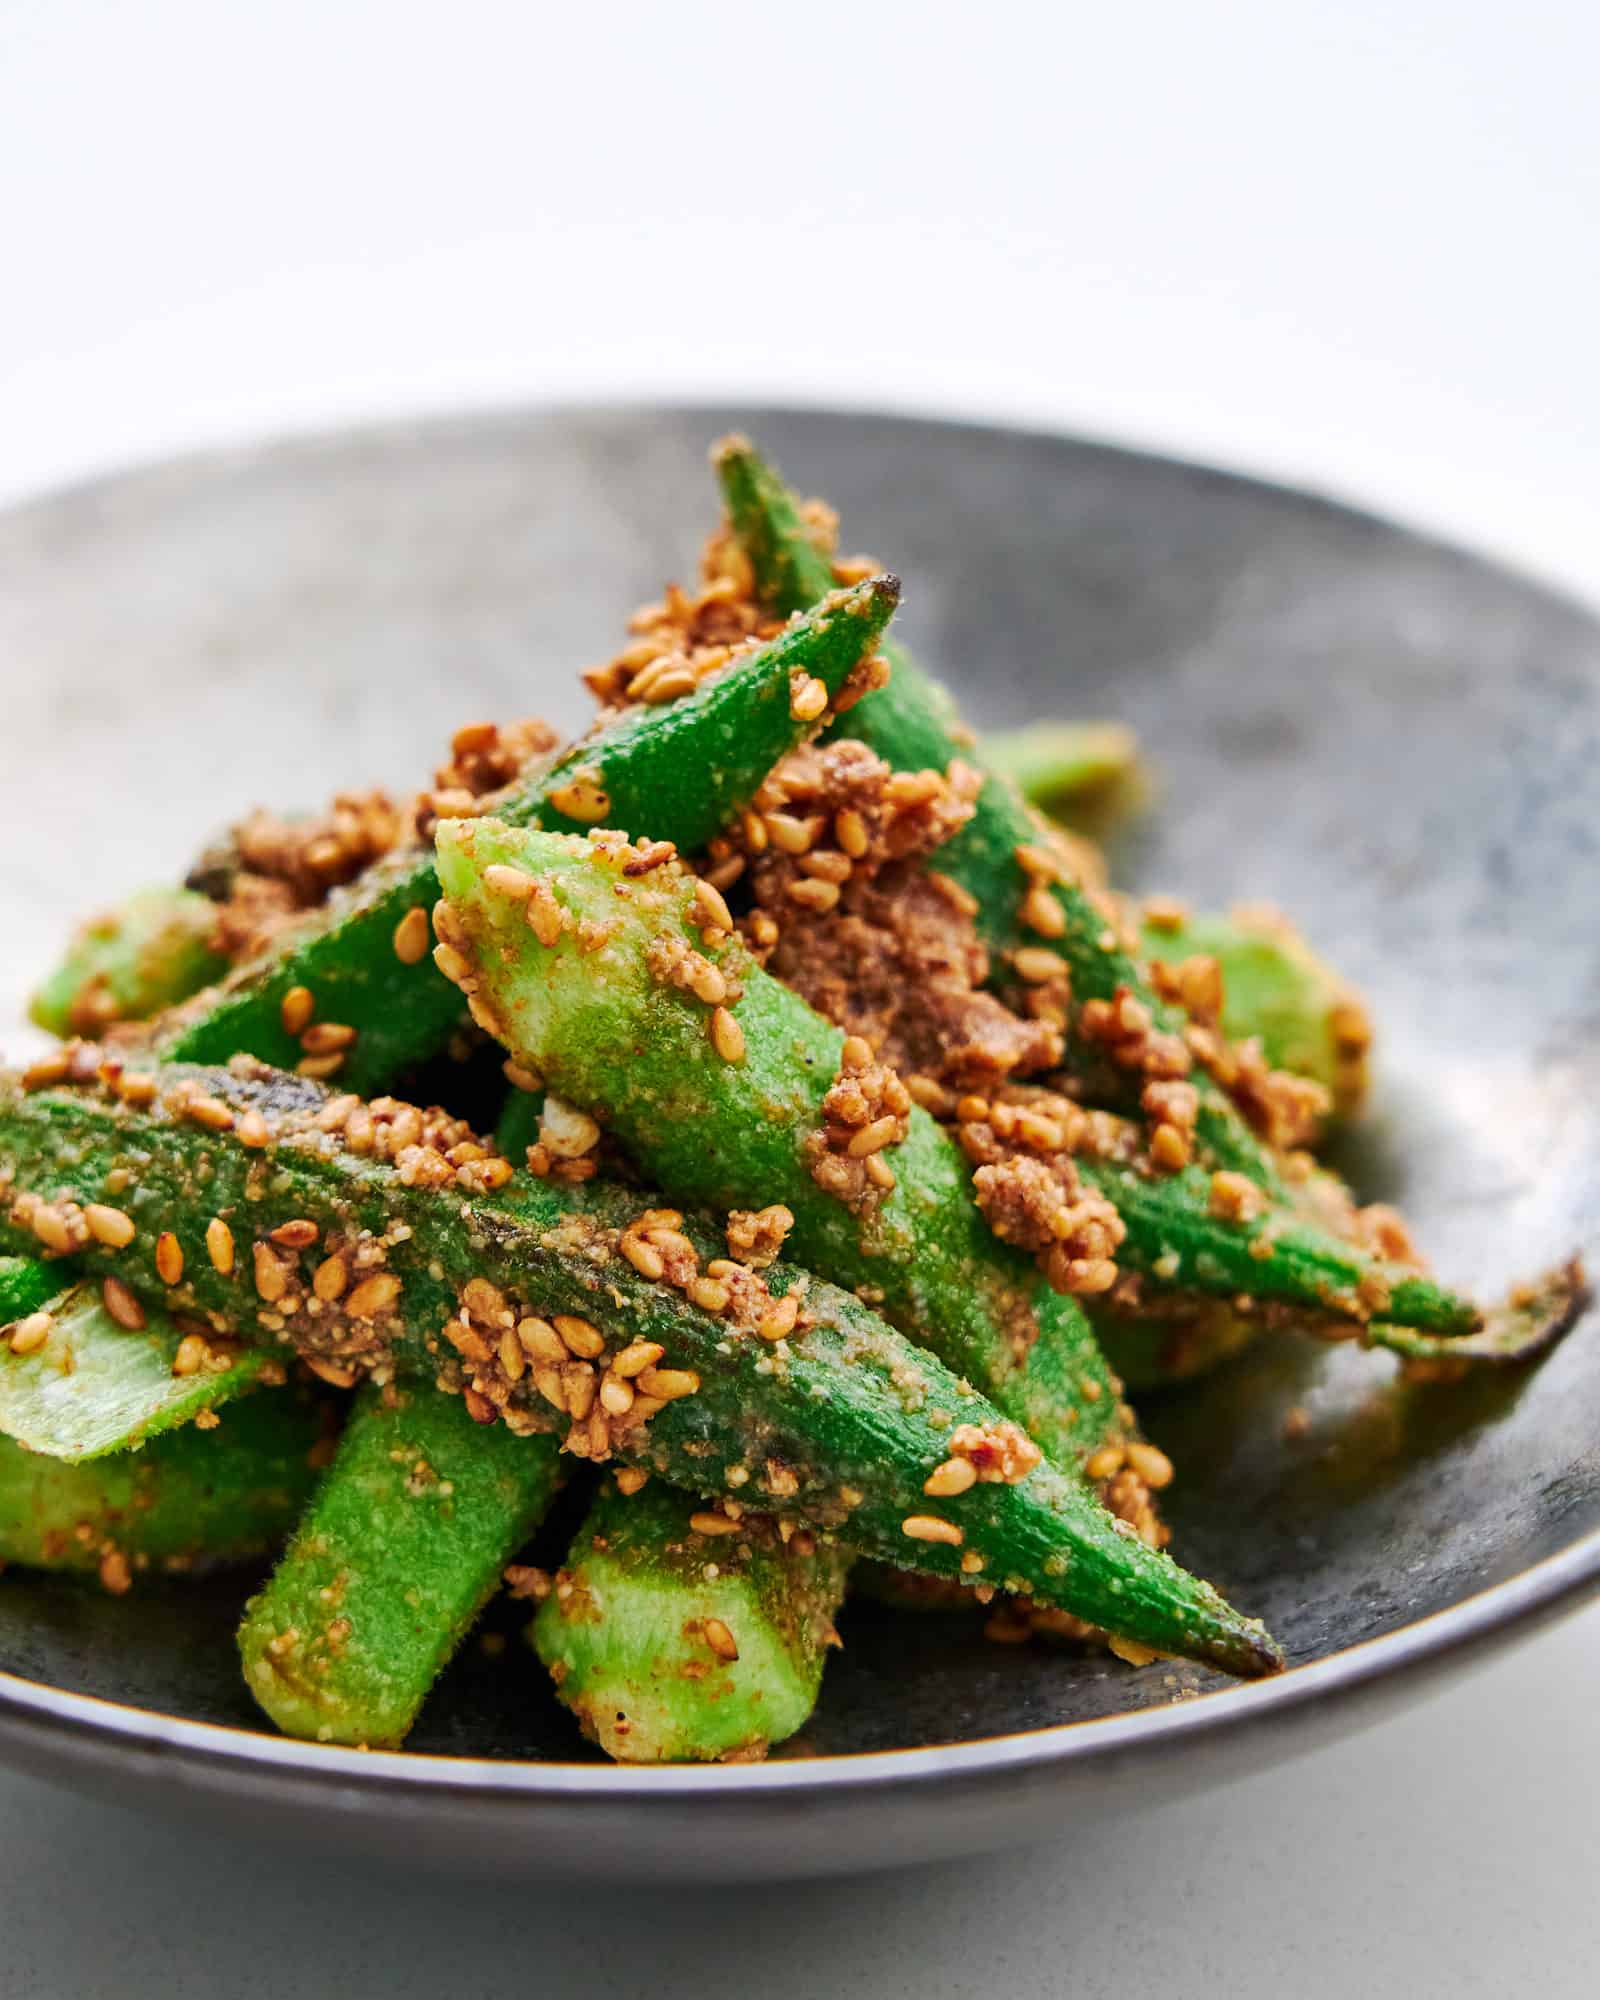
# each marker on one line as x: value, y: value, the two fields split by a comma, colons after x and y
x: 759, y: 1118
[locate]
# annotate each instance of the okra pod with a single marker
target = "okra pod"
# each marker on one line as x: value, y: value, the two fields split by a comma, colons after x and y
x: 352, y: 991
x: 400, y: 1550
x: 195, y: 1498
x: 480, y: 1279
x: 94, y: 1370
x: 1179, y: 1233
x: 1277, y: 991
x: 913, y: 724
x: 726, y: 1104
x: 670, y: 1644
x: 131, y: 962
x: 1066, y: 769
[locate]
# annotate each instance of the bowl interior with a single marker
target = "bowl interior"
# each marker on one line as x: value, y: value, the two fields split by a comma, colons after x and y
x: 1394, y: 741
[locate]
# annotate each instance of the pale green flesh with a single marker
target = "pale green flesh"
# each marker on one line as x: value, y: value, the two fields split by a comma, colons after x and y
x: 96, y: 1387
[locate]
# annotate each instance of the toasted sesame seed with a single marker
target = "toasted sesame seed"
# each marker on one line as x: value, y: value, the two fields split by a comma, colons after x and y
x: 540, y: 1341
x: 411, y: 934
x: 55, y: 1228
x: 272, y: 1280
x: 123, y: 1307
x: 137, y: 1088
x: 668, y: 1384
x: 850, y: 830
x: 374, y: 1295
x: 727, y: 1037
x: 1037, y: 964
x: 507, y: 881
x: 566, y: 1132
x: 672, y: 685
x: 1038, y: 863
x: 711, y: 907
x: 635, y: 1357
x: 814, y: 895
x: 780, y: 1321
x: 630, y: 1478
x: 337, y: 1374
x: 1106, y: 1463
x: 46, y: 1071
x: 219, y: 1245
x: 110, y: 1226
x: 954, y: 1476
x: 1151, y: 1463
x: 704, y: 1522
x: 582, y: 797
x: 512, y: 1359
x: 297, y: 1235
x: 578, y: 1379
x: 791, y: 835
x: 451, y: 963
x: 115, y: 1575
x: 326, y: 1038
x: 330, y: 1278
x: 1042, y: 913
x: 929, y: 1528
x: 874, y: 1137
x: 581, y: 1336
x: 169, y: 1258
x: 547, y: 1379
x: 720, y: 1639
x: 486, y: 1301
x: 319, y: 1068
x: 484, y: 1015
x: 191, y: 1356
x: 879, y: 1172
x: 808, y: 697
x: 707, y: 984
x: 465, y: 1338
x: 32, y: 1332
x: 709, y: 1294
x: 616, y: 1396
x: 297, y: 1007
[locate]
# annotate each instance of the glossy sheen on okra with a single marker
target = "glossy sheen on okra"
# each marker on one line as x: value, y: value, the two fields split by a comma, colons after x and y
x: 599, y: 1013
x: 354, y: 984
x: 840, y: 1421
x: 671, y: 1643
x: 403, y: 1545
x: 913, y: 725
x: 187, y: 1500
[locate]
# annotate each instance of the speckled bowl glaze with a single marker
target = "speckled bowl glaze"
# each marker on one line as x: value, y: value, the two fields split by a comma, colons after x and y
x: 1397, y: 741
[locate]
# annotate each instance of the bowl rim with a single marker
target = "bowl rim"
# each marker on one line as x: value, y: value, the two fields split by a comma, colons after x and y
x: 1558, y: 1583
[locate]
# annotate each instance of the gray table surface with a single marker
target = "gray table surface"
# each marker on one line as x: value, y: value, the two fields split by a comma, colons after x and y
x: 1452, y: 1852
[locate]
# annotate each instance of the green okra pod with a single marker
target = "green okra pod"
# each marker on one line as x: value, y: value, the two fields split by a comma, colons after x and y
x: 913, y: 725
x: 81, y: 1383
x: 669, y: 1643
x: 356, y: 974
x: 191, y: 1499
x: 1277, y: 991
x: 401, y: 1548
x: 601, y: 1013
x: 477, y: 1277
x: 131, y: 962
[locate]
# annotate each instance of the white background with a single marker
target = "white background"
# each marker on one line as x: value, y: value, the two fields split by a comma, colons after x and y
x: 1349, y: 244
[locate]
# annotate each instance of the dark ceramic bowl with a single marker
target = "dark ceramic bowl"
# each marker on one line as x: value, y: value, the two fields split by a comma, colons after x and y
x: 1398, y: 742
